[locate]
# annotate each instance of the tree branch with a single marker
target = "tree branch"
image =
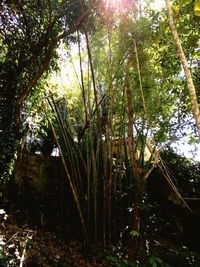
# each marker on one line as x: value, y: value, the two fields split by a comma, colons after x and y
x: 48, y: 56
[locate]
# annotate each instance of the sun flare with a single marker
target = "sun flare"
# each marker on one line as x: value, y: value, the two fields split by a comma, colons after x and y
x: 119, y: 4
x: 124, y: 6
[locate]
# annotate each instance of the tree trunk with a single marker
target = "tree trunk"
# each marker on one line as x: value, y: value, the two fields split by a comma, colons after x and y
x: 133, y: 245
x: 183, y: 60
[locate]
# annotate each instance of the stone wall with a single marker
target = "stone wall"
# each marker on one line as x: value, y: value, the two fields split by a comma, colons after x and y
x: 37, y: 190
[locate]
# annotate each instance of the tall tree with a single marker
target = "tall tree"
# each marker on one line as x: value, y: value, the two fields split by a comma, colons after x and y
x: 29, y: 33
x: 184, y: 62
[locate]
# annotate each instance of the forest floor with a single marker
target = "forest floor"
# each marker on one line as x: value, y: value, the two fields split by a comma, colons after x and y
x: 28, y: 247
x: 22, y: 246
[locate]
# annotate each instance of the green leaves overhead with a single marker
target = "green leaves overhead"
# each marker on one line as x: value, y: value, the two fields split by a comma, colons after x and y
x: 185, y: 2
x: 197, y: 8
x: 196, y: 5
x: 29, y: 34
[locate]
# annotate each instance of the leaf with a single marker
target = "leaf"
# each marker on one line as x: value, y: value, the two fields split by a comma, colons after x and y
x: 113, y: 260
x: 154, y: 261
x: 176, y: 10
x: 1, y: 254
x: 10, y: 258
x: 134, y: 233
x: 197, y: 8
x: 185, y: 2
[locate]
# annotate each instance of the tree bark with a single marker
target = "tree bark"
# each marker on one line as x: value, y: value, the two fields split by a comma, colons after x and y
x: 133, y: 244
x: 183, y: 60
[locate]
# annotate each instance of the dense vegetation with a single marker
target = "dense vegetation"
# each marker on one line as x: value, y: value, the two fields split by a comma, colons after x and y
x: 111, y: 85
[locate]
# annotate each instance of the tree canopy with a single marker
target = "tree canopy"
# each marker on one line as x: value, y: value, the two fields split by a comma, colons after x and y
x: 30, y: 32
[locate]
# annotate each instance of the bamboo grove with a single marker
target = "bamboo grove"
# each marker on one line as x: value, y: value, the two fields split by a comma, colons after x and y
x: 100, y: 155
x: 113, y: 145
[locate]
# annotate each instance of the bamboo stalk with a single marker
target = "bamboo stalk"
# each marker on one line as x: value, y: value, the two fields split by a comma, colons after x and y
x: 66, y: 136
x: 99, y: 141
x: 93, y: 81
x: 134, y: 242
x: 82, y: 80
x: 74, y: 191
x: 139, y: 76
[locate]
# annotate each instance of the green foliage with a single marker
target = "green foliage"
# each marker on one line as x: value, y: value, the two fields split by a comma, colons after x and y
x: 6, y: 260
x: 156, y: 262
x: 114, y: 261
x: 146, y: 207
x: 197, y: 8
x: 135, y: 233
x: 185, y: 170
x: 185, y: 2
x: 29, y: 34
x: 196, y: 5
